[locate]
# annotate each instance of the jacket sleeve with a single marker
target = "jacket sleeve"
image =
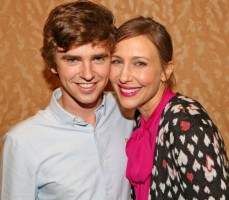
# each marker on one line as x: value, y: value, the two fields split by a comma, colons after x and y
x: 18, y: 173
x: 199, y: 155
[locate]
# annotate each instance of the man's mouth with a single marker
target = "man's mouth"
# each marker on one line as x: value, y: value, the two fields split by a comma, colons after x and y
x: 86, y: 85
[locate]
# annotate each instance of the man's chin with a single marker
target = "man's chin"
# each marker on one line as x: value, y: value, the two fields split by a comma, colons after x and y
x: 90, y: 102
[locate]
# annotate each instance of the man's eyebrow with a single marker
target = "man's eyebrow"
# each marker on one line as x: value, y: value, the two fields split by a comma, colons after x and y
x: 65, y: 57
x: 76, y: 57
x: 103, y: 55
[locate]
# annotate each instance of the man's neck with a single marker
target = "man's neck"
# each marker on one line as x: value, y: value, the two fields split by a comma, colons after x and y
x: 85, y: 111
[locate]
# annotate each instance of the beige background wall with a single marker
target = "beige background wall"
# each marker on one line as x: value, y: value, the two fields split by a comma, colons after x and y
x: 200, y: 31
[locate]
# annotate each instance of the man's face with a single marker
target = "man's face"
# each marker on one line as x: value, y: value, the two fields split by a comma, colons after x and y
x: 84, y: 73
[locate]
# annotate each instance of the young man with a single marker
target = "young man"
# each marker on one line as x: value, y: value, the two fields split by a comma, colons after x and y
x: 75, y: 148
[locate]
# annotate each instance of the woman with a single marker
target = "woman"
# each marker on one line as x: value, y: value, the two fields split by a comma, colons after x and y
x: 177, y: 151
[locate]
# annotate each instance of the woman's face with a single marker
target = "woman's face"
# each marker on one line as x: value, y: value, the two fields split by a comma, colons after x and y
x: 137, y: 74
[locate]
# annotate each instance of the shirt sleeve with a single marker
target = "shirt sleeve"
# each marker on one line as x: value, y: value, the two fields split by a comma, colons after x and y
x: 199, y: 155
x: 18, y: 173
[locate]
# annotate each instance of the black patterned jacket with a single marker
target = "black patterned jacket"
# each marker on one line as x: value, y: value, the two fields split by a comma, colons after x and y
x: 190, y: 158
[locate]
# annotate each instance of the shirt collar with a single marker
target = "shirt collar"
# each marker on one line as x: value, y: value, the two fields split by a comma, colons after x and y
x: 64, y: 117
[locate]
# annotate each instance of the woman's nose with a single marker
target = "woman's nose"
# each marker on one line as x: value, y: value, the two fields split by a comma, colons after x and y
x: 125, y: 75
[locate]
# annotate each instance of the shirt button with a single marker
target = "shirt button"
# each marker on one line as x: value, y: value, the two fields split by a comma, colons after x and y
x: 108, y: 191
x: 101, y: 162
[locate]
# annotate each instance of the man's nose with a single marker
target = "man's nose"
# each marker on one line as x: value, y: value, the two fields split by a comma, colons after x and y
x: 87, y: 72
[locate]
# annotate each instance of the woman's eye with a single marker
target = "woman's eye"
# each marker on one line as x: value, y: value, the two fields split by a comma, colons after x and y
x: 140, y: 63
x: 115, y: 62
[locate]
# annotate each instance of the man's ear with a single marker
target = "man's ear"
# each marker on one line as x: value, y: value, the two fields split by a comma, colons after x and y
x: 53, y: 70
x: 168, y: 70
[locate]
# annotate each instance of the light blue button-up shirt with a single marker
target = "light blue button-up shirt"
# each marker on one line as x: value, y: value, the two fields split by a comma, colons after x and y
x: 56, y: 155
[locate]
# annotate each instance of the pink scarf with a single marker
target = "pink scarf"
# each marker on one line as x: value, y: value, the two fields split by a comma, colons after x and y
x: 140, y: 150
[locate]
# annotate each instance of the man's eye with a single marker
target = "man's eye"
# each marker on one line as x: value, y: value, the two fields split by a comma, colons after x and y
x: 71, y: 60
x: 99, y: 59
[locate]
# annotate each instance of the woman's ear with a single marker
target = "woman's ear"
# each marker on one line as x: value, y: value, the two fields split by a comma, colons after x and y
x: 53, y: 70
x: 168, y: 70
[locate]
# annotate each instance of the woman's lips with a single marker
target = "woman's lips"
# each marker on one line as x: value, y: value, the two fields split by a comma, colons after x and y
x: 128, y: 91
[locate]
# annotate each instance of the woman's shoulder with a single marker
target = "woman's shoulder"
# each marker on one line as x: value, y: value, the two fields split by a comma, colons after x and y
x: 184, y: 105
x: 185, y: 110
x: 180, y: 99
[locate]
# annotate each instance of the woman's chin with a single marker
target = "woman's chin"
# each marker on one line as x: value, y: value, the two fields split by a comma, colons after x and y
x: 128, y: 104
